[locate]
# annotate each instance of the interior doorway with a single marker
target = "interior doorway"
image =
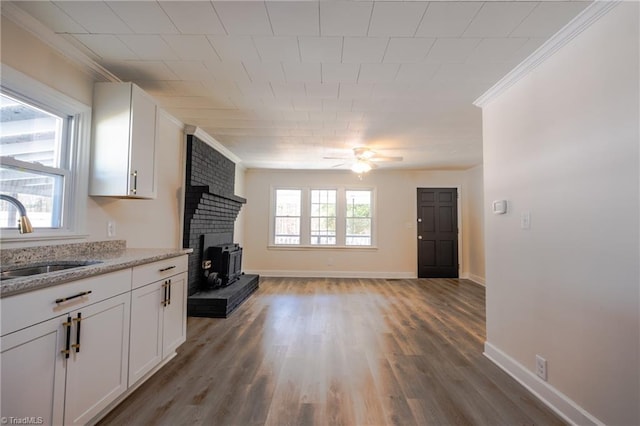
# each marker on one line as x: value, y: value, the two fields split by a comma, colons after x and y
x: 437, y: 233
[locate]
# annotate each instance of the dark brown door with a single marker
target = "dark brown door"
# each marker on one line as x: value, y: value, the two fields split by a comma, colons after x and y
x: 437, y: 233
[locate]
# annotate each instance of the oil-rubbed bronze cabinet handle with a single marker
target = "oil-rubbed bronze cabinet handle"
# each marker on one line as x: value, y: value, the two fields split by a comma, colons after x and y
x: 168, y: 268
x: 76, y: 346
x: 67, y: 348
x: 169, y: 297
x: 64, y: 299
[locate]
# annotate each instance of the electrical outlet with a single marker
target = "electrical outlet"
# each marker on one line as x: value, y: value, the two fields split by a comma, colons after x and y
x: 541, y: 367
x: 111, y: 228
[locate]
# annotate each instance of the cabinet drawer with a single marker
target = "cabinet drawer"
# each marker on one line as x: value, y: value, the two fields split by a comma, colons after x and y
x: 145, y: 274
x: 26, y: 309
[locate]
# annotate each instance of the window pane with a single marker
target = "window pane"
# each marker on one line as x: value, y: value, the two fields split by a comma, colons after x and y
x: 29, y: 133
x: 358, y: 203
x: 358, y: 241
x: 40, y: 192
x: 288, y: 202
x: 323, y: 216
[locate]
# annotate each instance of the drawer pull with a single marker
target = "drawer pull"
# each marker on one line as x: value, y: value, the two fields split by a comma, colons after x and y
x: 167, y: 268
x: 84, y: 293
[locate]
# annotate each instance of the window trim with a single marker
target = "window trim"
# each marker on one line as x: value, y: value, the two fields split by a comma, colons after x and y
x: 17, y: 84
x: 305, y: 225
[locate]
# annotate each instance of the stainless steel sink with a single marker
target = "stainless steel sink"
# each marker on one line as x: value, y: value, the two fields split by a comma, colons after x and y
x: 41, y: 268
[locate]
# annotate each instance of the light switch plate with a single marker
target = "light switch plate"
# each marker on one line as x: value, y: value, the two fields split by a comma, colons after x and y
x: 499, y: 207
x: 525, y: 220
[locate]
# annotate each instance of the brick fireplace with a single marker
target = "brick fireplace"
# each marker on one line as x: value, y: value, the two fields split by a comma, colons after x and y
x: 211, y: 208
x: 210, y: 204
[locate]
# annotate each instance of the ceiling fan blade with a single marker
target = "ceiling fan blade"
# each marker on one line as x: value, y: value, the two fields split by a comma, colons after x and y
x: 338, y: 158
x: 380, y: 158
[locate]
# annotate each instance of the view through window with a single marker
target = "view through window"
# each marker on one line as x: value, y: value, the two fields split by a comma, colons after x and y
x: 33, y: 167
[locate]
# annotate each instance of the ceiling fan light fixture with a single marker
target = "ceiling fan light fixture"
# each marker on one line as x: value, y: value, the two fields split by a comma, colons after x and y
x: 364, y: 153
x: 360, y: 167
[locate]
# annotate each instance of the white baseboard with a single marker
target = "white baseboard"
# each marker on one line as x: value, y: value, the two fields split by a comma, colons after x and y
x: 330, y: 274
x: 472, y: 277
x: 556, y: 400
x: 478, y: 279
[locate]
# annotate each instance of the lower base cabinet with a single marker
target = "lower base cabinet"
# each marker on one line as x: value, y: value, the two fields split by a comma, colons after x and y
x: 158, y: 323
x: 66, y: 363
x: 97, y: 374
x: 39, y: 382
x: 33, y: 373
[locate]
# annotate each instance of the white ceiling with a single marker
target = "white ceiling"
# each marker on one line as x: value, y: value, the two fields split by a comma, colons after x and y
x: 282, y: 84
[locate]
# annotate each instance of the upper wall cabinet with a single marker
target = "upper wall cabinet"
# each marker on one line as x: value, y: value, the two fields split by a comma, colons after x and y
x: 125, y: 129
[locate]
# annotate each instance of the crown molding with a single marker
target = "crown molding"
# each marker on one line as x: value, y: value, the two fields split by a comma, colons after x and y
x: 209, y: 140
x: 53, y: 40
x: 175, y: 121
x: 584, y: 20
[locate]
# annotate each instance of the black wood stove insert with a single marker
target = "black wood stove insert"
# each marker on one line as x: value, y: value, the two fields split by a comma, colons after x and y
x: 223, y: 285
x: 221, y: 263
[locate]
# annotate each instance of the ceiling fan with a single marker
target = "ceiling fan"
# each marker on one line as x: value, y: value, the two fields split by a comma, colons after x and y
x: 364, y: 159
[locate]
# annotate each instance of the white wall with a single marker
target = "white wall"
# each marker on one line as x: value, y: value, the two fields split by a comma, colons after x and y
x: 143, y: 223
x: 474, y: 208
x: 396, y: 252
x: 563, y: 144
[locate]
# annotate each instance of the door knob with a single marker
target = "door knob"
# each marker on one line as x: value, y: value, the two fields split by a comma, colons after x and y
x: 419, y: 237
x: 419, y: 219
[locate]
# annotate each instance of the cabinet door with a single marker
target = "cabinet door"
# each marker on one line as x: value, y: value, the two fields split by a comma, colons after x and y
x: 32, y: 379
x: 143, y: 145
x: 175, y: 315
x: 145, y: 342
x: 97, y: 372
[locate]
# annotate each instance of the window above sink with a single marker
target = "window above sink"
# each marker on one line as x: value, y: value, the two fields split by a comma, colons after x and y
x: 44, y: 139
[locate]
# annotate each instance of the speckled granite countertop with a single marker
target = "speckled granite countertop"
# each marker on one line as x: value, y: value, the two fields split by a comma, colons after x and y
x: 111, y: 255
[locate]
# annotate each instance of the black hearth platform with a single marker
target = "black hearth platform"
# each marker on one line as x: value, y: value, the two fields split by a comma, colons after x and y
x: 219, y: 303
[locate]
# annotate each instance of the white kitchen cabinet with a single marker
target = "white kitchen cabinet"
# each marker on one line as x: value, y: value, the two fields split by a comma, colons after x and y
x: 72, y: 365
x: 97, y: 370
x: 125, y: 129
x: 158, y: 314
x: 33, y: 373
x: 174, y: 330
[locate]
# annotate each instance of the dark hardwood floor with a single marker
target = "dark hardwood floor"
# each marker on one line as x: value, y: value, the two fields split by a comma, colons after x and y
x: 338, y: 352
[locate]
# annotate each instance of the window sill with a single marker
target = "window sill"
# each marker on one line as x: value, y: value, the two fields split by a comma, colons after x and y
x: 320, y: 247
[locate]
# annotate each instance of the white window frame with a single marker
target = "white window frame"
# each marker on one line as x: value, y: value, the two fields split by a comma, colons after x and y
x: 274, y: 216
x: 371, y: 215
x: 23, y: 87
x: 305, y: 220
x: 337, y: 216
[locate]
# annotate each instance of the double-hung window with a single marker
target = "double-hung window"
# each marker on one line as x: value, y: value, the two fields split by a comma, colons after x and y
x: 288, y: 206
x: 39, y: 137
x: 323, y: 217
x: 358, y: 218
x: 330, y: 217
